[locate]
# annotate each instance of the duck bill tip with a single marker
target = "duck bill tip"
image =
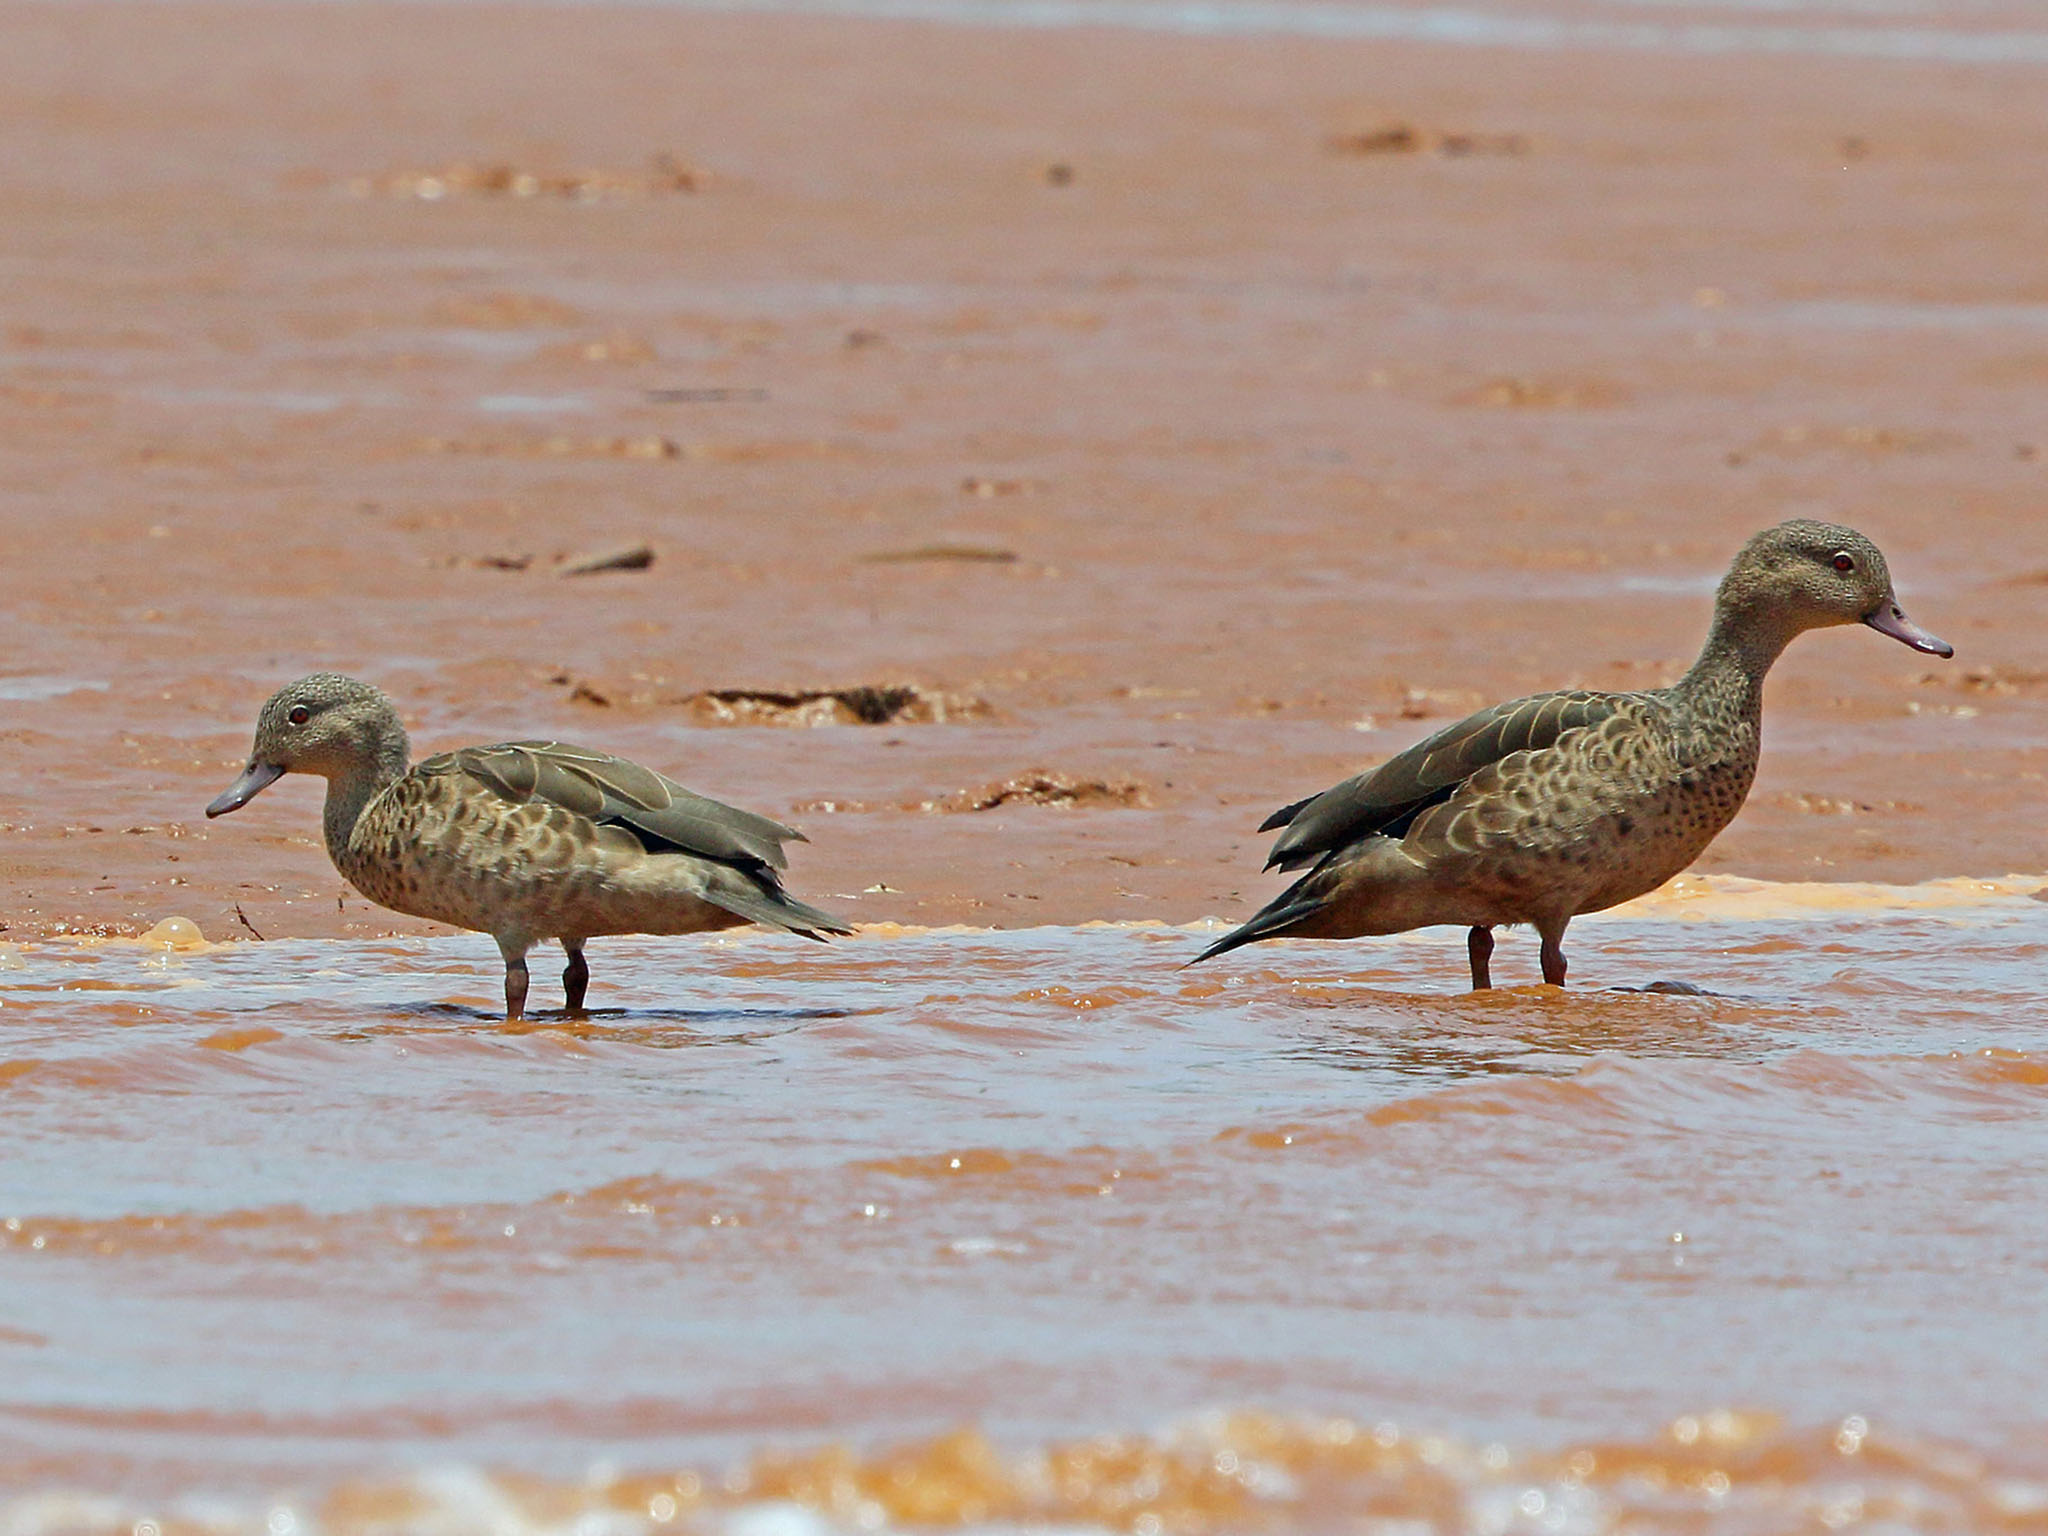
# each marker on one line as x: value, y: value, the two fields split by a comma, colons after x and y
x: 1890, y: 619
x: 254, y: 779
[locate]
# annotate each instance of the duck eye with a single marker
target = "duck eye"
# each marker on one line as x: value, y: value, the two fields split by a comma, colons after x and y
x: 299, y: 715
x: 1845, y: 562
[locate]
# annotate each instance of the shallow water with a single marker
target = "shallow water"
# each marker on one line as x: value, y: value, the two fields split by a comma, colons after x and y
x: 1310, y: 1235
x: 1699, y: 27
x: 1299, y: 454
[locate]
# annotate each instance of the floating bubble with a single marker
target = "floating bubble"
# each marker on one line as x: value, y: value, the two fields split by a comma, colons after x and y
x: 175, y: 933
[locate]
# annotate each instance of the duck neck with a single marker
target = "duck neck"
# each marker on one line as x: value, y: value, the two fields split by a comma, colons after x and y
x: 379, y: 762
x: 1740, y: 648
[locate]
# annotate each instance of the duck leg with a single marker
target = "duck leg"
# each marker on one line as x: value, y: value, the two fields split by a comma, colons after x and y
x: 1479, y: 950
x: 515, y: 981
x: 575, y: 979
x: 1553, y: 955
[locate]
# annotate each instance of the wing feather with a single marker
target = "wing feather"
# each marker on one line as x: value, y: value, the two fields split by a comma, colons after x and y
x: 1386, y: 800
x: 613, y: 792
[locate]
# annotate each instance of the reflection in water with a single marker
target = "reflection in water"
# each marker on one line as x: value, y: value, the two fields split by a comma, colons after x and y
x: 1556, y: 1037
x: 656, y: 1028
x: 282, y: 1223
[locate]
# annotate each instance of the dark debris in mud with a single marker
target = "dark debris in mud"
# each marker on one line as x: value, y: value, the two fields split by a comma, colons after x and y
x: 625, y: 557
x: 866, y: 704
x: 1036, y: 786
x: 646, y: 446
x: 1407, y: 139
x: 628, y: 557
x: 1987, y: 680
x: 1522, y: 392
x: 1041, y: 786
x: 985, y: 488
x: 665, y: 175
x: 1813, y: 804
x: 860, y: 704
x: 965, y: 554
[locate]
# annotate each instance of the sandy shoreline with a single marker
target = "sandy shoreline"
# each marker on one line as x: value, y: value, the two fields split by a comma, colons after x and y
x: 1236, y: 454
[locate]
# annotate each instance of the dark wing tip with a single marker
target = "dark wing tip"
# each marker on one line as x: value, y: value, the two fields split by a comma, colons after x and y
x: 1285, y: 815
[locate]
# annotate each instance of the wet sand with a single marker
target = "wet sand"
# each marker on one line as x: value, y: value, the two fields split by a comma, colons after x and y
x: 1192, y: 420
x: 1282, y: 451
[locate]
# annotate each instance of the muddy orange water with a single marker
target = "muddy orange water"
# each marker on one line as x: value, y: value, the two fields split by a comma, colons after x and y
x: 1145, y: 414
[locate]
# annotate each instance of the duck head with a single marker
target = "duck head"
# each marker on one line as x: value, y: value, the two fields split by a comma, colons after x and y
x: 1806, y: 575
x: 327, y: 724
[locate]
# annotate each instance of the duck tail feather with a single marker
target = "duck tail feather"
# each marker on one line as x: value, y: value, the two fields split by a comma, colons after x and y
x: 773, y: 907
x: 1275, y: 922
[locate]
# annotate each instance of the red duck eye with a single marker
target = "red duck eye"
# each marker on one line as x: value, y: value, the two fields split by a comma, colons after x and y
x: 1845, y: 562
x: 300, y: 714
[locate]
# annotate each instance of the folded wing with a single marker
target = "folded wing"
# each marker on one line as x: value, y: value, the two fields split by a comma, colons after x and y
x: 1385, y: 801
x: 662, y: 815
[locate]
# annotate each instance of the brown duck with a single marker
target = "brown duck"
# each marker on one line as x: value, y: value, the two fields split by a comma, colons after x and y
x: 525, y: 841
x: 1538, y: 810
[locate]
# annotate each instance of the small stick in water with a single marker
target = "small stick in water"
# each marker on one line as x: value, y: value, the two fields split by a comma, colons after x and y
x: 243, y: 917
